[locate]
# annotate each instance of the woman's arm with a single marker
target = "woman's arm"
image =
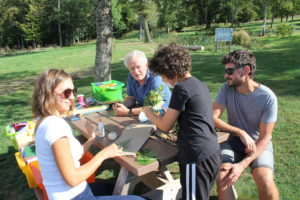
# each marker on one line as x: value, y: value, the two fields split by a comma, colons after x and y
x: 65, y: 163
x: 90, y: 136
x: 165, y: 122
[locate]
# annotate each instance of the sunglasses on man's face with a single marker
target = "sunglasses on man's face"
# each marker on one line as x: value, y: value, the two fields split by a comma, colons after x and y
x: 230, y: 71
x: 67, y: 93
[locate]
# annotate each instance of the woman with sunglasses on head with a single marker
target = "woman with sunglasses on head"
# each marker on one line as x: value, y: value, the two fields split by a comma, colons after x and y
x: 191, y: 107
x: 57, y: 150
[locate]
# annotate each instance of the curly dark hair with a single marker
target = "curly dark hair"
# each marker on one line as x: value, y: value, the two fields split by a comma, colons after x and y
x: 241, y: 58
x: 171, y: 60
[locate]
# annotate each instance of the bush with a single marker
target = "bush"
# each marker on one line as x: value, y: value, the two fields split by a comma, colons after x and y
x: 242, y: 38
x: 284, y: 29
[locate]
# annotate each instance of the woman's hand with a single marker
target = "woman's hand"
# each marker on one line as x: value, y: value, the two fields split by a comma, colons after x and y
x: 147, y: 110
x: 90, y: 130
x: 114, y: 150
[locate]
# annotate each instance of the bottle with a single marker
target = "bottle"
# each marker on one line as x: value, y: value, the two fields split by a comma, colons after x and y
x: 101, y: 129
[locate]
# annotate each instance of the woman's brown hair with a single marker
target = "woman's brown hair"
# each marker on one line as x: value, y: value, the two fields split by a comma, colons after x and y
x: 43, y: 99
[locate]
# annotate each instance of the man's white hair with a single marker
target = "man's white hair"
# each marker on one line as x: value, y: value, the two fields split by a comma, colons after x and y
x: 135, y: 53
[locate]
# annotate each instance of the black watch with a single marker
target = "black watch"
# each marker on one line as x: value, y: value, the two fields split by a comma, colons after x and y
x: 130, y: 112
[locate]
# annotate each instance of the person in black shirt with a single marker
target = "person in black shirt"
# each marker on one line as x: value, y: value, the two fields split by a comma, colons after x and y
x: 191, y: 106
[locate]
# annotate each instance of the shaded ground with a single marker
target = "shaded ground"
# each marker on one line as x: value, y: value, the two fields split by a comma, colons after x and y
x: 8, y: 86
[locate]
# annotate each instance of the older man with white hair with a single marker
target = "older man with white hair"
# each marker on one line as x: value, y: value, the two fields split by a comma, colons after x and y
x: 139, y: 83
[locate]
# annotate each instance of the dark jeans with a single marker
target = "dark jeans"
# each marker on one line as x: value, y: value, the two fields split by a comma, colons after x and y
x: 96, y: 191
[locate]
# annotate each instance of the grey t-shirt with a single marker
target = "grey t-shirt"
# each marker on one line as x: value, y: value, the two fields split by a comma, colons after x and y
x: 247, y: 111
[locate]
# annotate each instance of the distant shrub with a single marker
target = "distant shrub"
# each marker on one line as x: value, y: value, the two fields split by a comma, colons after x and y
x: 284, y: 29
x: 242, y: 38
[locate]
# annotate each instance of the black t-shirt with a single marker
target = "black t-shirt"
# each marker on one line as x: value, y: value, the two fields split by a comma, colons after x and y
x: 197, y: 139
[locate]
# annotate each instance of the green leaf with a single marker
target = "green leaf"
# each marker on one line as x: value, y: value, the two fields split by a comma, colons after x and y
x: 145, y: 157
x: 154, y: 97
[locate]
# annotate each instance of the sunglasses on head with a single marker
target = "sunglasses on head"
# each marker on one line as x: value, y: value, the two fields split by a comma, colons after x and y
x: 67, y: 93
x: 230, y: 71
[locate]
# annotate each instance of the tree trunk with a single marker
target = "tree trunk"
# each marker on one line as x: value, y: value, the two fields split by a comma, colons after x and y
x: 265, y: 18
x: 103, y: 12
x: 142, y: 35
x: 272, y: 21
x: 208, y: 25
x: 22, y: 42
x: 147, y: 32
x: 19, y: 45
x: 59, y: 27
x: 205, y: 13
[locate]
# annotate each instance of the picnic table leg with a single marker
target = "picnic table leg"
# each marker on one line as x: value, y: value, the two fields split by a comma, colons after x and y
x: 166, y: 173
x: 125, y: 183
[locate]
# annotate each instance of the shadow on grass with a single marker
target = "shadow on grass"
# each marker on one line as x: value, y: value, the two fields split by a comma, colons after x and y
x: 278, y: 68
x: 13, y: 181
x: 15, y: 107
x: 44, y: 50
x: 17, y: 76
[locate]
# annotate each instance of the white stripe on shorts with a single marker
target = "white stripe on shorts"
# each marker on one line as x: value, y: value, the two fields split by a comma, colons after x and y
x: 193, y: 181
x: 187, y: 181
x: 191, y: 176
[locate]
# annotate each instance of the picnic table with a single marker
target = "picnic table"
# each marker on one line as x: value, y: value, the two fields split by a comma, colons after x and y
x: 155, y: 175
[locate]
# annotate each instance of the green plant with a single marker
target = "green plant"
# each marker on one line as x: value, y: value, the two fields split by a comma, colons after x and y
x: 145, y: 157
x: 284, y: 29
x: 242, y: 38
x: 155, y: 96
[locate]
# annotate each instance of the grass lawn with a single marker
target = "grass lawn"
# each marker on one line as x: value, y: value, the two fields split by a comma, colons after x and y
x: 278, y: 62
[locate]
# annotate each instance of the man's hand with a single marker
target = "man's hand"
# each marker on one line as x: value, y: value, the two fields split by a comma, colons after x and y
x: 248, y: 142
x: 120, y: 109
x: 233, y: 174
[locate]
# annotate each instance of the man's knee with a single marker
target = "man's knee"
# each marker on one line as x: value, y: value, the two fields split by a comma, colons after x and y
x: 263, y: 176
x: 223, y: 172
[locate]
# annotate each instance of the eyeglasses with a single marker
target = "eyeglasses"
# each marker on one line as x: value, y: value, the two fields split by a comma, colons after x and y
x: 67, y: 93
x: 230, y: 71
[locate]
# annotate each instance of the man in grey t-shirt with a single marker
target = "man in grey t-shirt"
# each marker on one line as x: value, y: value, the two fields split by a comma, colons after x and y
x: 251, y: 114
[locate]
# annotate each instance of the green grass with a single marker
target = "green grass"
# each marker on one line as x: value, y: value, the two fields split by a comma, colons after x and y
x: 278, y: 61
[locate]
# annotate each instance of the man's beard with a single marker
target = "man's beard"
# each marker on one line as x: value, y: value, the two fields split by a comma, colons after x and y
x: 234, y: 84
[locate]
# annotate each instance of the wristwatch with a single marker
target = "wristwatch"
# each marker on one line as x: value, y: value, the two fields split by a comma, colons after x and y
x: 130, y: 112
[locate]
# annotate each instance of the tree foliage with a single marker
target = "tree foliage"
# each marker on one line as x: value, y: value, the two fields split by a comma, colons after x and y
x: 25, y: 23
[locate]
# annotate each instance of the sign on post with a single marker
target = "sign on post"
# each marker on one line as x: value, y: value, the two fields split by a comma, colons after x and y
x: 223, y: 35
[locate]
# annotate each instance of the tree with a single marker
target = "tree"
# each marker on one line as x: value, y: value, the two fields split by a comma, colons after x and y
x: 282, y: 8
x: 12, y: 17
x: 296, y: 8
x: 265, y: 17
x: 59, y: 24
x: 147, y: 11
x: 33, y: 19
x: 172, y: 14
x: 103, y: 12
x: 235, y: 7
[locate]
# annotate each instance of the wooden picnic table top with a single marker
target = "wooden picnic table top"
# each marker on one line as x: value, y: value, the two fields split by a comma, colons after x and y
x: 166, y: 153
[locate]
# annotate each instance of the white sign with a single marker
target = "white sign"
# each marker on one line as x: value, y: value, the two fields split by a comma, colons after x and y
x: 223, y: 34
